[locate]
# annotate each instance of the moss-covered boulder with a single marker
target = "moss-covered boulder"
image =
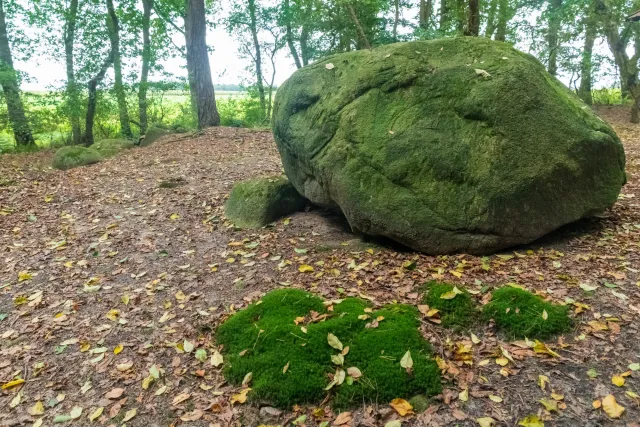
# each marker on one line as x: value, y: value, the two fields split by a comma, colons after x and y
x: 73, y: 156
x: 257, y: 202
x: 111, y: 147
x: 461, y: 144
x: 153, y: 134
x: 299, y: 352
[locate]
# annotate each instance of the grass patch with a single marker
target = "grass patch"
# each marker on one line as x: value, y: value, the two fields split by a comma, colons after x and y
x: 458, y: 311
x: 519, y: 313
x: 74, y: 156
x: 263, y: 339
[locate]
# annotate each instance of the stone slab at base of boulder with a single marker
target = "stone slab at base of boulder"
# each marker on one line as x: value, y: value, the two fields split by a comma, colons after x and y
x: 74, y: 156
x: 111, y: 147
x: 451, y: 145
x: 258, y: 202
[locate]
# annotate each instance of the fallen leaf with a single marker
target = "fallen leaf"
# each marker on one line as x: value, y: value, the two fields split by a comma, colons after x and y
x: 240, y: 397
x: 406, y: 361
x: 402, y: 407
x: 334, y: 341
x: 611, y: 407
x: 129, y: 415
x: 531, y: 421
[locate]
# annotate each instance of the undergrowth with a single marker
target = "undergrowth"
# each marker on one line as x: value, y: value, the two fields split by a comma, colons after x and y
x: 292, y: 364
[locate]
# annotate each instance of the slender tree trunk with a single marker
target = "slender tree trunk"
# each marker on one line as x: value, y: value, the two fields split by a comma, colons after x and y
x: 304, y: 45
x: 11, y: 88
x: 552, y: 36
x: 426, y: 9
x: 396, y: 5
x: 289, y: 34
x: 147, y: 6
x: 473, y: 23
x: 72, y: 88
x: 461, y: 20
x: 253, y: 27
x: 504, y: 15
x: 491, y: 18
x: 93, y: 99
x: 363, y: 37
x: 114, y: 36
x: 584, y: 91
x: 198, y: 57
x: 445, y: 11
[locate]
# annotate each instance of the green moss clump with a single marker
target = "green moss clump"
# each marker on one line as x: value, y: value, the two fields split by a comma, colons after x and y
x: 258, y: 202
x: 519, y: 313
x: 111, y: 147
x: 264, y: 338
x: 74, y: 156
x: 457, y: 312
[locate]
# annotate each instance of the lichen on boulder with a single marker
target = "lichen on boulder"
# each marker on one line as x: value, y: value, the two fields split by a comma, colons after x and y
x: 449, y: 145
x: 111, y: 147
x: 73, y: 156
x: 299, y: 351
x: 257, y: 202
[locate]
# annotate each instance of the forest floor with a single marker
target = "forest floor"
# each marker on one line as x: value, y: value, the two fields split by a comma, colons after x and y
x: 105, y: 275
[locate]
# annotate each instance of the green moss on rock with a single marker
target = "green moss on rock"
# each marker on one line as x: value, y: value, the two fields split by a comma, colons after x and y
x: 448, y: 145
x: 153, y: 134
x: 111, y: 147
x: 258, y: 202
x: 519, y: 314
x: 458, y: 312
x: 74, y: 156
x: 264, y: 338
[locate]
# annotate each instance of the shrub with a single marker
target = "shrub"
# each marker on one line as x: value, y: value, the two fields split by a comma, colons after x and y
x: 258, y: 202
x: 457, y: 309
x: 111, y: 147
x: 264, y: 339
x: 519, y: 313
x: 74, y: 156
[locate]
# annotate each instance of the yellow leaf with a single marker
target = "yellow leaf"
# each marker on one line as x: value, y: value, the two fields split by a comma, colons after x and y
x: 451, y: 294
x: 96, y: 414
x: 617, y: 380
x: 48, y: 198
x: 542, y: 348
x: 597, y: 404
x: 118, y: 349
x: 130, y: 414
x: 305, y: 268
x: 285, y: 369
x: 216, y: 359
x: 531, y: 421
x: 486, y: 422
x: 24, y: 275
x: 402, y: 407
x: 495, y: 398
x: 543, y: 380
x: 464, y: 395
x: 406, y: 361
x: 125, y: 299
x: 549, y: 405
x: 12, y: 383
x: 174, y: 216
x: 545, y: 315
x: 611, y: 407
x: 161, y: 390
x: 475, y: 339
x: 502, y: 361
x: 36, y: 409
x: 240, y: 397
x: 334, y: 341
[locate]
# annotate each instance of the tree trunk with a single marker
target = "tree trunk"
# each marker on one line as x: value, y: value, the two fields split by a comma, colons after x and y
x: 552, y: 36
x: 363, y: 37
x: 444, y: 15
x: 72, y: 88
x: 584, y: 91
x: 504, y: 15
x: 491, y: 18
x: 11, y: 88
x: 473, y: 23
x: 93, y: 99
x: 198, y: 58
x: 304, y: 45
x: 257, y: 57
x: 289, y: 34
x: 147, y: 6
x: 114, y: 36
x: 396, y: 19
x: 461, y: 20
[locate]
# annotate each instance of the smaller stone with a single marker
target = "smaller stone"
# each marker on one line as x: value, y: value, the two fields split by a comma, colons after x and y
x: 269, y: 415
x: 258, y: 202
x: 152, y: 135
x: 73, y: 156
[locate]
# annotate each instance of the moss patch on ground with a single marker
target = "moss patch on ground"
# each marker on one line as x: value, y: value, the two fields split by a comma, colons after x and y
x: 519, y: 313
x: 74, y: 156
x: 457, y: 309
x: 258, y: 202
x: 264, y: 339
x: 111, y: 147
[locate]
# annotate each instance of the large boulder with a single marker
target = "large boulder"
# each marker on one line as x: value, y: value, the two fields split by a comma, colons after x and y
x: 450, y: 145
x: 73, y: 156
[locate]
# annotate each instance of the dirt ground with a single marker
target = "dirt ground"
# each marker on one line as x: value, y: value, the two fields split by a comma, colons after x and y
x: 105, y: 273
